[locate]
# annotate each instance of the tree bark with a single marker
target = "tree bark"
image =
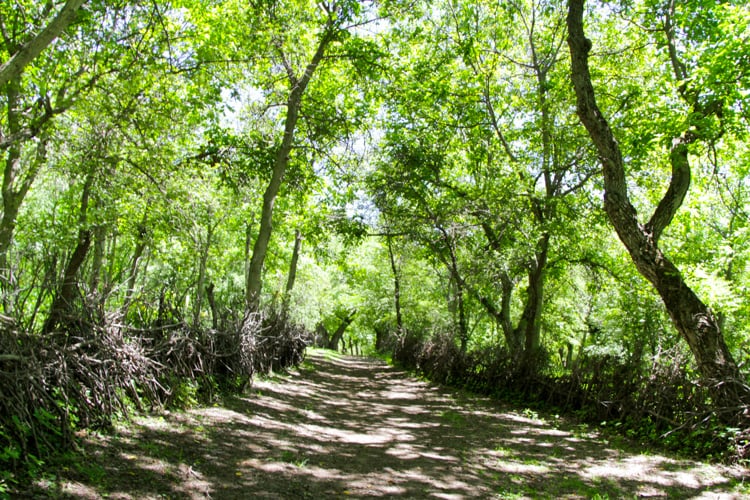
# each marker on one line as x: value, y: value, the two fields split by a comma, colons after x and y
x: 322, y: 337
x: 248, y: 248
x: 294, y: 102
x: 529, y: 326
x: 463, y: 325
x: 458, y: 282
x: 97, y: 264
x: 501, y: 316
x: 60, y: 311
x: 691, y: 317
x: 140, y: 247
x: 212, y: 304
x: 200, y: 288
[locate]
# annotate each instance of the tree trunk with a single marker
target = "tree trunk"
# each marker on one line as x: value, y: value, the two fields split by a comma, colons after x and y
x: 396, y: 288
x: 60, y: 315
x: 463, y: 327
x: 200, y: 288
x: 61, y: 309
x: 502, y: 316
x: 140, y: 247
x: 529, y: 326
x: 15, y: 186
x: 11, y: 204
x: 525, y: 337
x: 691, y: 317
x: 212, y: 304
x: 292, y: 276
x: 97, y: 264
x: 322, y: 337
x: 255, y: 272
x: 248, y: 248
x: 459, y: 284
x: 339, y: 333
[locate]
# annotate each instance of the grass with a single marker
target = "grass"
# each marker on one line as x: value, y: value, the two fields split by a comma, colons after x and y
x: 455, y: 418
x: 327, y: 354
x: 291, y: 457
x: 382, y: 356
x: 503, y: 451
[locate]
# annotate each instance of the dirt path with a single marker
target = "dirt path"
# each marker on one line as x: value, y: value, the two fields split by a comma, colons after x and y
x: 344, y: 427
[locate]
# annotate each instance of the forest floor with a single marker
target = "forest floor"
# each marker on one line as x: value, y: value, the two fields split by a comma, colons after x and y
x: 345, y: 427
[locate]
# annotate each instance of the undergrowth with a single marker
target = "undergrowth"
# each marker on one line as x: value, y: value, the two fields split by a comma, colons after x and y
x: 655, y: 403
x: 54, y: 385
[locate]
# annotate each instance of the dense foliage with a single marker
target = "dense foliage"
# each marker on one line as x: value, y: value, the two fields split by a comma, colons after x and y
x: 191, y: 191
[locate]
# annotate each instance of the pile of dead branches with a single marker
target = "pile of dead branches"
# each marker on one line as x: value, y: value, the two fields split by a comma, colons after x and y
x: 657, y: 400
x: 53, y: 384
x: 280, y: 344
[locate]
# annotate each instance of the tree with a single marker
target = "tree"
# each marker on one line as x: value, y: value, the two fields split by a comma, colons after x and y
x: 334, y: 23
x: 297, y: 84
x: 42, y: 85
x: 692, y: 318
x: 482, y: 141
x: 23, y: 52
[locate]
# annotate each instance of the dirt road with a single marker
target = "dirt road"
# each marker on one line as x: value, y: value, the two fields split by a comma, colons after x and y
x: 342, y: 427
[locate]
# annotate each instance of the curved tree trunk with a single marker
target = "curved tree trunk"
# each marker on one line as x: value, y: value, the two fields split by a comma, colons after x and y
x: 692, y: 318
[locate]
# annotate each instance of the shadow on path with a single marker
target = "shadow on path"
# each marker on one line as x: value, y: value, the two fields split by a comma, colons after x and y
x: 345, y: 427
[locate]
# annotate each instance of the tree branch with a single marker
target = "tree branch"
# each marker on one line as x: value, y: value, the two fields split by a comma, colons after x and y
x: 14, y: 66
x: 678, y: 187
x: 616, y: 201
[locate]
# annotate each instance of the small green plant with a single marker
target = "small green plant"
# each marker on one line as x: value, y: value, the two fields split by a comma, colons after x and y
x: 291, y: 457
x: 503, y: 451
x: 453, y: 417
x: 127, y: 405
x: 529, y: 413
x: 11, y: 452
x: 7, y: 480
x: 48, y: 421
x: 209, y: 388
x: 93, y: 471
x: 184, y: 394
x: 507, y: 495
x: 532, y: 461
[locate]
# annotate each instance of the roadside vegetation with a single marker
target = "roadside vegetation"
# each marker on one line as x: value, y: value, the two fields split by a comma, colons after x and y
x: 544, y: 201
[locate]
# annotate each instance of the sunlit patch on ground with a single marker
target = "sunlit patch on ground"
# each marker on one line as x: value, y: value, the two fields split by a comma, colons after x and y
x: 356, y: 428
